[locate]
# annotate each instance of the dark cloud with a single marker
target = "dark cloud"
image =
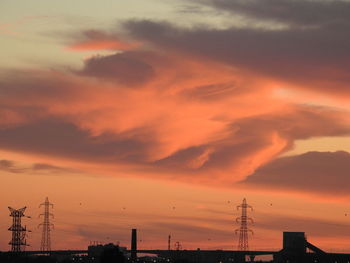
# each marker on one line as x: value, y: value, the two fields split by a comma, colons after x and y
x: 294, y: 13
x: 314, y: 57
x: 11, y: 114
x: 57, y: 137
x: 31, y: 85
x: 301, y: 123
x: 126, y: 68
x: 326, y: 173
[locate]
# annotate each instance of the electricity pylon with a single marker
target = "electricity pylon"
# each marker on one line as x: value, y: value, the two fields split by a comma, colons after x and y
x: 46, y: 226
x: 18, y: 231
x: 243, y: 230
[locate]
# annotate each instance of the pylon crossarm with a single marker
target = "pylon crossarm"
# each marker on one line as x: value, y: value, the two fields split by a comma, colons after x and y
x: 11, y: 210
x: 21, y: 210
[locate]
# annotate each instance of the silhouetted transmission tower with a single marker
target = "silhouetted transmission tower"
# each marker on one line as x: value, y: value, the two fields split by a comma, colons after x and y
x: 243, y: 230
x: 46, y: 225
x: 18, y: 231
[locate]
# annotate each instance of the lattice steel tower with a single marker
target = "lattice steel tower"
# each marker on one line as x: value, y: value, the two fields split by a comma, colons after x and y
x: 18, y: 231
x: 46, y: 225
x: 243, y: 230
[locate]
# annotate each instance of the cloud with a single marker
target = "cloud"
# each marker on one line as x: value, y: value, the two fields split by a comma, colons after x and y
x: 324, y: 173
x: 293, y: 13
x: 8, y: 166
x: 41, y: 168
x: 126, y: 68
x: 190, y: 120
x: 59, y: 138
x: 245, y: 145
x: 253, y: 141
x: 313, y: 59
x: 197, y: 104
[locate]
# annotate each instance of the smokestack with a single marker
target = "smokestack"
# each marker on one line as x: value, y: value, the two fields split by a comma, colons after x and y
x: 133, y: 244
x: 169, y: 242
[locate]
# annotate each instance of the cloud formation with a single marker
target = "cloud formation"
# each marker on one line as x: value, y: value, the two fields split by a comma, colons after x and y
x: 318, y: 172
x: 37, y: 168
x: 293, y: 13
x: 126, y: 68
x: 309, y: 58
x: 198, y: 104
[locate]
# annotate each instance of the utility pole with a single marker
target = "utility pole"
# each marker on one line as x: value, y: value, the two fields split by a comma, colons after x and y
x: 46, y: 226
x: 243, y: 230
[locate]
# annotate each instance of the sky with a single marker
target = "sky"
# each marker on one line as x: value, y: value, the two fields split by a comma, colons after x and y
x: 163, y: 115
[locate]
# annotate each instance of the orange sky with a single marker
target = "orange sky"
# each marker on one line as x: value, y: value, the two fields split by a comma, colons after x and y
x: 163, y: 119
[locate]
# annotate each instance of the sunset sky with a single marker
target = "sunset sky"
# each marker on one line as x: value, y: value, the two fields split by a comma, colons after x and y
x: 163, y: 115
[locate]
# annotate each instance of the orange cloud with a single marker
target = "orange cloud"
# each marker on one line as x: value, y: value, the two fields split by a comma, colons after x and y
x: 198, y: 122
x: 165, y: 112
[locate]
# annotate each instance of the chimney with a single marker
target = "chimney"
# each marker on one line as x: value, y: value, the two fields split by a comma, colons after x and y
x: 133, y: 244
